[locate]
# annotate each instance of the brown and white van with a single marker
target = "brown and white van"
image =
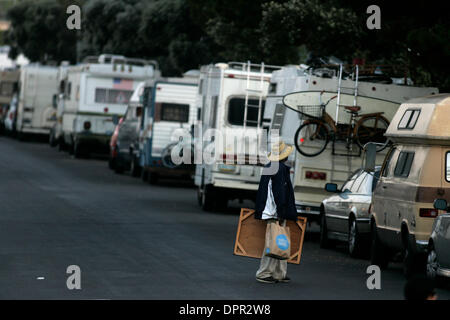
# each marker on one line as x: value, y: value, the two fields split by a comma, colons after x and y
x: 416, y: 171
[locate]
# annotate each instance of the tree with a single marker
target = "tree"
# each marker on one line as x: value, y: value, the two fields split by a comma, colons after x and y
x: 38, y: 30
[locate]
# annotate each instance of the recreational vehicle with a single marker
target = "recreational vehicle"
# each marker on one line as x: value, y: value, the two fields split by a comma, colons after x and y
x: 9, y: 79
x: 35, y: 113
x: 95, y: 91
x: 415, y: 172
x: 170, y: 107
x: 55, y: 136
x: 232, y: 100
x: 294, y: 86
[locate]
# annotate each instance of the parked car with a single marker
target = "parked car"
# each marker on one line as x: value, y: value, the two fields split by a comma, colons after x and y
x: 345, y: 215
x: 414, y: 174
x: 438, y: 260
x: 113, y: 144
x: 128, y: 133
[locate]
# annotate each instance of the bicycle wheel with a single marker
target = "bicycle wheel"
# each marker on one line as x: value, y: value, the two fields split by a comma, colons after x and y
x: 311, y: 138
x: 372, y: 129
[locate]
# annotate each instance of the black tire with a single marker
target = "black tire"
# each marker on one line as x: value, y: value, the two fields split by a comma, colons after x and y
x: 135, y: 168
x: 208, y: 198
x: 355, y: 242
x: 325, y: 243
x: 413, y: 263
x: 153, y: 178
x: 377, y: 125
x: 432, y: 263
x: 312, y: 131
x: 378, y: 254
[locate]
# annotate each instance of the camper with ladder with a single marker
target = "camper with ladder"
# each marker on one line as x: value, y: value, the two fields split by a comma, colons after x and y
x: 35, y: 114
x: 329, y: 120
x: 96, y: 91
x: 232, y: 98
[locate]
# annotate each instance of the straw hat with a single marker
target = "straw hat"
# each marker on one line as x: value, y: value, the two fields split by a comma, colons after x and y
x: 280, y: 151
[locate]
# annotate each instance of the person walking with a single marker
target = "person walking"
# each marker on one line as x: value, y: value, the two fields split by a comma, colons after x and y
x: 275, y: 203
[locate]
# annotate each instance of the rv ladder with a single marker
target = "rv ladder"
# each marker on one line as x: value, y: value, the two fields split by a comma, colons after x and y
x: 250, y: 91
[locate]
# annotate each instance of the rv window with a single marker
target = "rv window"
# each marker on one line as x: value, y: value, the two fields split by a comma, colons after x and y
x: 113, y: 96
x: 6, y: 88
x: 236, y: 110
x: 447, y: 165
x: 404, y: 162
x: 174, y: 112
x: 409, y: 119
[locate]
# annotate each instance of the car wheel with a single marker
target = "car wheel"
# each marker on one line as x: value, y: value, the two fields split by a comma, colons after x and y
x: 325, y: 243
x: 208, y: 198
x: 432, y: 263
x: 354, y: 239
x: 378, y: 253
x: 413, y: 263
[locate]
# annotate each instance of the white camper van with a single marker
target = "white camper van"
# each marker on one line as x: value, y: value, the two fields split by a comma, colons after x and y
x: 335, y: 163
x: 35, y: 113
x: 172, y: 107
x: 96, y: 91
x: 232, y: 97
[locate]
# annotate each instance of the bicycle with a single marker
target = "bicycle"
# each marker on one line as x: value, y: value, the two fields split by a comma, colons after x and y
x: 313, y: 136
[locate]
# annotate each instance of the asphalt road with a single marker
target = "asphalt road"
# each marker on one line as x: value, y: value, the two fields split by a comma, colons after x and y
x: 136, y: 241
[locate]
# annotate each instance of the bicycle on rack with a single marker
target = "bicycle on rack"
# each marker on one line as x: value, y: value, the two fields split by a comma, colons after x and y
x: 313, y: 136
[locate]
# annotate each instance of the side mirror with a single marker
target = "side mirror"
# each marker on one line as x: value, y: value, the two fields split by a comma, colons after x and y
x: 115, y: 119
x: 55, y: 101
x: 331, y: 187
x: 440, y: 204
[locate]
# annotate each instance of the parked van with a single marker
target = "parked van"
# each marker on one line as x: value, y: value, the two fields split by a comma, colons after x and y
x: 35, y: 113
x: 170, y: 106
x: 9, y: 79
x: 95, y: 91
x: 232, y: 99
x: 300, y: 85
x: 416, y: 171
x: 120, y: 153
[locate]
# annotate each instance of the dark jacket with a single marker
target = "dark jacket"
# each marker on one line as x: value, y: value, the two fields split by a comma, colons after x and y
x: 283, y: 193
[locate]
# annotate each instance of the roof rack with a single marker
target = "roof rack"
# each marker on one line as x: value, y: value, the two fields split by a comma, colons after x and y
x: 118, y: 59
x: 243, y: 66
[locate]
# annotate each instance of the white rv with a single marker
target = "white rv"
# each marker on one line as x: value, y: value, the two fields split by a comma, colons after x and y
x: 96, y: 91
x: 334, y: 164
x: 35, y: 112
x: 171, y: 108
x: 232, y: 99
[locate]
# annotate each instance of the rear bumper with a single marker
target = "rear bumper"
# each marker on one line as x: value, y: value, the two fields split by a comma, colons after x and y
x: 308, y: 210
x: 95, y: 142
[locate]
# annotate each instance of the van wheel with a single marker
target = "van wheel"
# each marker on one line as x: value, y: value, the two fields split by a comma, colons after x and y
x: 378, y: 253
x: 325, y: 243
x: 413, y: 263
x: 153, y: 178
x: 208, y: 198
x: 354, y: 239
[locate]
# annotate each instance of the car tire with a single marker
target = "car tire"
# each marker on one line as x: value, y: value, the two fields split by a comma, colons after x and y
x: 354, y: 239
x: 432, y: 263
x: 208, y: 198
x: 413, y: 263
x: 135, y: 169
x: 378, y: 254
x: 325, y: 242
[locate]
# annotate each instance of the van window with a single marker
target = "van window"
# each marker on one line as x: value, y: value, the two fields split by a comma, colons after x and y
x: 404, y: 162
x: 174, y: 112
x: 358, y: 186
x: 236, y: 110
x: 114, y: 96
x: 349, y: 183
x: 409, y: 119
x: 447, y: 167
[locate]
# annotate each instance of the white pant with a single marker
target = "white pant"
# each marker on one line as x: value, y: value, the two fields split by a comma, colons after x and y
x: 271, y: 267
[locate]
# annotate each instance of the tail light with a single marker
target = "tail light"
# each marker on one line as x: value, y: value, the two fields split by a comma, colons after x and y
x: 428, y: 213
x: 228, y: 158
x: 315, y: 175
x: 87, y: 125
